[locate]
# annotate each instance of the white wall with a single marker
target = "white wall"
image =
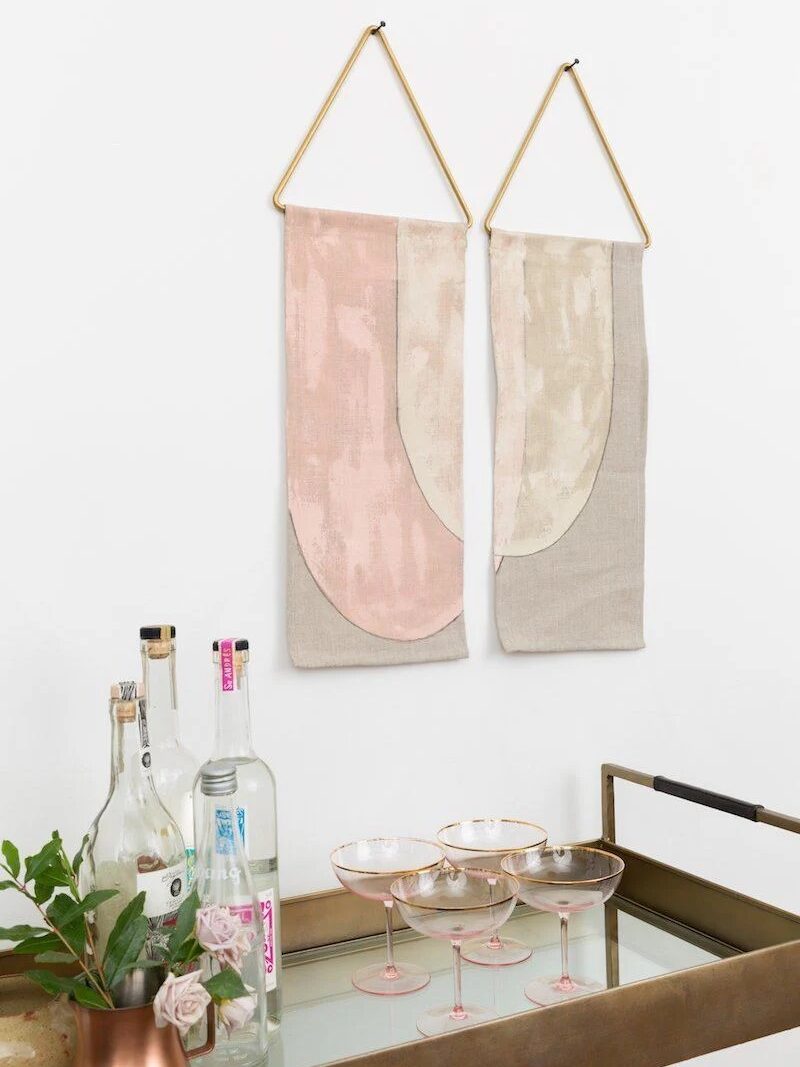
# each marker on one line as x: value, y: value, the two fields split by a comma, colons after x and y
x: 142, y: 398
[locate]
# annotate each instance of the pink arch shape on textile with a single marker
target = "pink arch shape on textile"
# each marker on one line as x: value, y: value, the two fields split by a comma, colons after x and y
x: 369, y: 537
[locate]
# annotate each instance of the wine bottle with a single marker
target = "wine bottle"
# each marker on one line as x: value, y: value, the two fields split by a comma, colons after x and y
x: 255, y: 805
x: 174, y: 767
x: 134, y: 843
x: 223, y: 878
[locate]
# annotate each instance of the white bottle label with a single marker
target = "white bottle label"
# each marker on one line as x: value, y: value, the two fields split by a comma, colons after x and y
x: 165, y: 890
x: 266, y: 902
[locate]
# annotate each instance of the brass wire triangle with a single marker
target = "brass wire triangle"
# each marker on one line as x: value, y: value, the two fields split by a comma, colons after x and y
x: 501, y: 192
x: 370, y: 31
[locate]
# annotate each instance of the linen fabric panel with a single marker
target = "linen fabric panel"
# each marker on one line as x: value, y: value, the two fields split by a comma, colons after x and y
x: 570, y: 441
x: 374, y: 349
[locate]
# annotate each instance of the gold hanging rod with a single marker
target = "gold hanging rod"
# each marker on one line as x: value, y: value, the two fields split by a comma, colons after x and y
x: 370, y: 31
x: 501, y: 192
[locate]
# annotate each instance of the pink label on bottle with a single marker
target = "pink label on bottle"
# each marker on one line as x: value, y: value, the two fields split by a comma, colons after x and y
x: 226, y: 666
x: 266, y: 902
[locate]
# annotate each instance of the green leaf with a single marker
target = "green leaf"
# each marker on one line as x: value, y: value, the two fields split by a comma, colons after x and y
x: 6, y: 884
x: 42, y: 891
x: 51, y: 878
x: 132, y: 910
x: 36, y: 865
x: 184, y: 922
x: 78, y: 858
x: 66, y: 915
x: 127, y: 949
x: 19, y: 933
x: 64, y: 910
x: 11, y: 853
x: 90, y: 998
x: 227, y: 985
x: 35, y: 945
x: 55, y: 957
x: 52, y: 983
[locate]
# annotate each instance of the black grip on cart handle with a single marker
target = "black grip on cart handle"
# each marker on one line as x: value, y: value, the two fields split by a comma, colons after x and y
x: 708, y: 799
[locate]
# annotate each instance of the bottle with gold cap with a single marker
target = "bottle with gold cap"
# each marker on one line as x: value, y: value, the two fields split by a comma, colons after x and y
x: 174, y: 767
x: 134, y: 843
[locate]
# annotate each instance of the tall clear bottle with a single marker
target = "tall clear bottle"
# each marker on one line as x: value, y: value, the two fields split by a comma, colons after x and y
x: 223, y: 878
x: 134, y: 843
x: 174, y: 767
x: 256, y: 803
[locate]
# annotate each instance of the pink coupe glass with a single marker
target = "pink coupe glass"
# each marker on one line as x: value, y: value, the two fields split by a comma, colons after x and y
x: 455, y: 905
x: 483, y: 843
x: 368, y: 868
x: 564, y: 880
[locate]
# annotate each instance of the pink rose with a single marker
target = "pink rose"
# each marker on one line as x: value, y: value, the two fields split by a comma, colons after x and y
x: 223, y: 935
x: 234, y: 1014
x: 180, y: 1002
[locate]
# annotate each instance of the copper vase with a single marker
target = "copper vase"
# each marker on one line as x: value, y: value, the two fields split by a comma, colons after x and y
x: 129, y: 1037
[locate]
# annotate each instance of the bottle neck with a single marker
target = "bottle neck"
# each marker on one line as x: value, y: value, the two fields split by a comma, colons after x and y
x: 232, y: 738
x: 130, y: 757
x: 158, y: 675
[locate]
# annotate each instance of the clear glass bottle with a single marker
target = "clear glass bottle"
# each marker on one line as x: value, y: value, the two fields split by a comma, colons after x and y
x: 134, y: 843
x: 222, y: 876
x: 174, y: 767
x: 256, y: 804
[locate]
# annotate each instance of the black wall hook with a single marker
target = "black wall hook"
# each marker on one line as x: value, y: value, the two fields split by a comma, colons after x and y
x: 569, y: 66
x: 380, y: 26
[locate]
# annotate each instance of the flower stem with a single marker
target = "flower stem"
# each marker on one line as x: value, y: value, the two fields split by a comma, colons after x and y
x: 87, y: 925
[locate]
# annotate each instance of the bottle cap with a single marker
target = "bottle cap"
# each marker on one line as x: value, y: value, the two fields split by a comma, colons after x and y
x: 218, y: 778
x: 156, y: 633
x: 239, y: 645
x: 127, y: 691
x: 125, y: 697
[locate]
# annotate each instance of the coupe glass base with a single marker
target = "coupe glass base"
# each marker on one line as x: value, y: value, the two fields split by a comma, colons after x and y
x: 491, y: 954
x: 440, y: 1020
x: 546, y: 991
x: 406, y: 978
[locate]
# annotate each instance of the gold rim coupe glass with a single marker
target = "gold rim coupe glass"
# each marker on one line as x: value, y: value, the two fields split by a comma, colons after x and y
x: 483, y: 843
x: 563, y: 880
x: 455, y: 905
x: 367, y: 868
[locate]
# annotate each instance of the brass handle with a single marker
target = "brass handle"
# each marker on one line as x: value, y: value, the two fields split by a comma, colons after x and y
x: 211, y: 1034
x: 742, y: 808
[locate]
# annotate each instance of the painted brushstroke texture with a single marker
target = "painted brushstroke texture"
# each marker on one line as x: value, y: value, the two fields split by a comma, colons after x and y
x: 586, y: 590
x: 368, y: 536
x: 430, y: 335
x: 320, y: 636
x: 567, y: 380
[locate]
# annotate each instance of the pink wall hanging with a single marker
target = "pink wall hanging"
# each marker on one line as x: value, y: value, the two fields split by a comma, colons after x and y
x: 374, y: 341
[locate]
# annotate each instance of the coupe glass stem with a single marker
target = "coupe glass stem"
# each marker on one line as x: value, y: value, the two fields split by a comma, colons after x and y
x: 458, y: 1008
x: 494, y: 941
x: 391, y: 970
x: 565, y: 983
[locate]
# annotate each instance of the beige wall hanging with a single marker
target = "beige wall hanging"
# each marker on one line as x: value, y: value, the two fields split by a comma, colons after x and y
x: 374, y: 339
x: 570, y: 432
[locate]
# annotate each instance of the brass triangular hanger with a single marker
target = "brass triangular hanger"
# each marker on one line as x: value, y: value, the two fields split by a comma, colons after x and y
x: 501, y: 192
x: 370, y: 31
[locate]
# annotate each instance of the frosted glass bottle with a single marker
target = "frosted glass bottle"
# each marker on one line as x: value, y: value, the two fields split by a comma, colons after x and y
x: 222, y: 876
x: 256, y: 801
x: 134, y: 843
x: 174, y: 767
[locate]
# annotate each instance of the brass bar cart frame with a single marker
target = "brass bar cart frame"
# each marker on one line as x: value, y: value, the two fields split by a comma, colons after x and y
x: 751, y: 990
